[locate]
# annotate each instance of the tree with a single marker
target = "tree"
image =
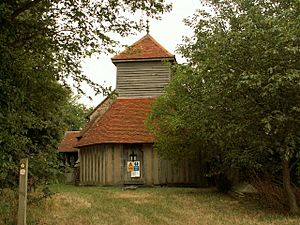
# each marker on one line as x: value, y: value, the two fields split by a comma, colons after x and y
x: 75, y: 114
x: 238, y: 96
x: 42, y: 43
x: 72, y: 29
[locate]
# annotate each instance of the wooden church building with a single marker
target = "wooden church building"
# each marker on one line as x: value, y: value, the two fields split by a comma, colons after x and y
x: 115, y: 148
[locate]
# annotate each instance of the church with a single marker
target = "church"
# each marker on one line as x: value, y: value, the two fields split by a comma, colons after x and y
x: 115, y: 147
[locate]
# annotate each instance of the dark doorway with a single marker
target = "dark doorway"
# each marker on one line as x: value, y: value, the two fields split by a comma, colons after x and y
x: 133, y: 153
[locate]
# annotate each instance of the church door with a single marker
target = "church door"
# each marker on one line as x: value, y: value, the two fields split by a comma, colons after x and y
x: 133, y: 160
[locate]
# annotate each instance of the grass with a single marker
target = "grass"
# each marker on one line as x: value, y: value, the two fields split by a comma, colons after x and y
x: 111, y: 205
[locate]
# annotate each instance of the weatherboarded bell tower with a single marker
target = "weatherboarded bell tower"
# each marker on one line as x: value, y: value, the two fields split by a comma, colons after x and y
x: 115, y: 148
x: 140, y: 69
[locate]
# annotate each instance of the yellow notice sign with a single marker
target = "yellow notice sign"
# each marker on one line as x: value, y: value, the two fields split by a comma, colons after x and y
x: 129, y: 166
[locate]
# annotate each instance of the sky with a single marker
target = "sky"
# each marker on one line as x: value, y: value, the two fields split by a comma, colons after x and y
x: 168, y: 32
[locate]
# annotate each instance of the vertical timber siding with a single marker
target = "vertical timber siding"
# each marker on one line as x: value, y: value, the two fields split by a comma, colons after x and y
x: 148, y: 154
x: 117, y: 162
x: 142, y: 79
x: 106, y: 165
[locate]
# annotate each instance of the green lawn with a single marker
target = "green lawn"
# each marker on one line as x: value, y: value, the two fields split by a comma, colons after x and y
x: 110, y: 205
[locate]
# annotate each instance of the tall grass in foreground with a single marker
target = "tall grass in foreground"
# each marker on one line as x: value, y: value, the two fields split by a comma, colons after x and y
x: 110, y: 205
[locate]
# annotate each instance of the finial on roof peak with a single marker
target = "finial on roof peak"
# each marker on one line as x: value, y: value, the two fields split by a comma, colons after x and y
x: 147, y: 26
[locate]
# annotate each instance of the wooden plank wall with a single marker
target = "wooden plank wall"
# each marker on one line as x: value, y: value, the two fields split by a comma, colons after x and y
x: 142, y: 79
x: 100, y: 164
x: 164, y: 172
x: 105, y: 165
x: 188, y: 172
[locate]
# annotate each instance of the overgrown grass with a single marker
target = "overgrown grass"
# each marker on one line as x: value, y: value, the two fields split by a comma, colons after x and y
x: 8, y: 206
x: 110, y: 205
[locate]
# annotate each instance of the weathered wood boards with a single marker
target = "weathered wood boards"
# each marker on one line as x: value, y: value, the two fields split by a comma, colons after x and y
x: 106, y: 164
x: 142, y: 79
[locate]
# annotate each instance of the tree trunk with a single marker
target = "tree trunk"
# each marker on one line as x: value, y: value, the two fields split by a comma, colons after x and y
x: 294, y: 209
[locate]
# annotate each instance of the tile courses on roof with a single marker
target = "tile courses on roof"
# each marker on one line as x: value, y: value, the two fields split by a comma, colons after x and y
x: 145, y: 48
x: 123, y: 122
x: 97, y: 113
x: 69, y: 142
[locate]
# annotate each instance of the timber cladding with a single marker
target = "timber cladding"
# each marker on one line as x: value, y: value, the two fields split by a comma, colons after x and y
x: 142, y: 79
x: 106, y: 164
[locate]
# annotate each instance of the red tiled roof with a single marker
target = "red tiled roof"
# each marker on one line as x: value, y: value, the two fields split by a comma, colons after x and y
x: 123, y: 122
x: 69, y: 142
x: 145, y: 48
x: 98, y: 111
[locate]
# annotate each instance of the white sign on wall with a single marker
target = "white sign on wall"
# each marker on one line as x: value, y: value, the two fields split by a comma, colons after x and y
x: 136, y: 169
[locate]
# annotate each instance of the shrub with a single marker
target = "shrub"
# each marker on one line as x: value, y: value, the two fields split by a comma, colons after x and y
x: 272, y: 195
x: 9, y: 203
x: 8, y: 206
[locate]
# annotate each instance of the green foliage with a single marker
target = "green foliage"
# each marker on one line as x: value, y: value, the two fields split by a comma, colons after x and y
x: 9, y: 203
x: 75, y: 114
x: 238, y: 96
x: 8, y: 206
x: 240, y: 89
x: 42, y: 43
x: 63, y: 32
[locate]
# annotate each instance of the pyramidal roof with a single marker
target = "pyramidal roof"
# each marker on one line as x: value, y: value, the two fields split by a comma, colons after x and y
x: 145, y: 48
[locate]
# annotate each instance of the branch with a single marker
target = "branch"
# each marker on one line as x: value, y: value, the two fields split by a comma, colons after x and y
x: 25, y: 7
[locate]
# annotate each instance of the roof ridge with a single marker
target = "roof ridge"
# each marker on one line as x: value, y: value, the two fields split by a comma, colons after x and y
x: 144, y: 48
x: 91, y: 123
x: 128, y: 46
x: 97, y: 106
x: 159, y: 45
x: 133, y: 98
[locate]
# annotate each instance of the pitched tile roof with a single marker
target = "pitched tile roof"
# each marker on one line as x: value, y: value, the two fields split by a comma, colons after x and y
x: 98, y: 111
x: 123, y: 122
x: 145, y: 48
x: 68, y: 142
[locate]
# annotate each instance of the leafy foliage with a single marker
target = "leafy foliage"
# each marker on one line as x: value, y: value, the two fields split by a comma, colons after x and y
x: 75, y: 114
x: 238, y: 97
x: 42, y: 43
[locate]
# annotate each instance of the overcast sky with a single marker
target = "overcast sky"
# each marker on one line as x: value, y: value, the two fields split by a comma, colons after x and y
x: 168, y: 32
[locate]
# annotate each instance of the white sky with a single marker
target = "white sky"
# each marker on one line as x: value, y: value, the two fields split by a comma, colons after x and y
x: 168, y: 32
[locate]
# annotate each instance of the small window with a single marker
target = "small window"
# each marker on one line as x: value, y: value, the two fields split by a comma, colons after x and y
x: 133, y: 157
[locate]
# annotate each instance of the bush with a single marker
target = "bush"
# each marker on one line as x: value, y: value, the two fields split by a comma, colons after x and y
x: 272, y: 194
x: 9, y: 203
x: 8, y: 206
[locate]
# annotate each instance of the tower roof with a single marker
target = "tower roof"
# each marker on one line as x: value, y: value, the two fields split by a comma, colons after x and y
x: 145, y: 48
